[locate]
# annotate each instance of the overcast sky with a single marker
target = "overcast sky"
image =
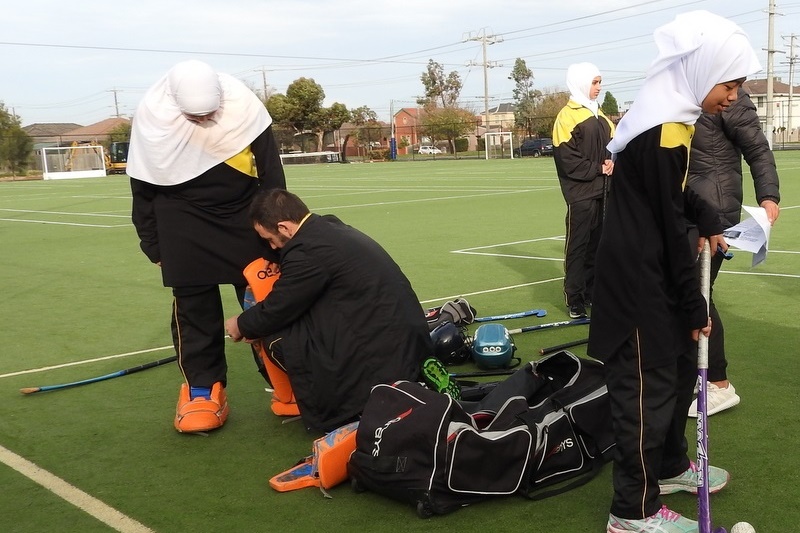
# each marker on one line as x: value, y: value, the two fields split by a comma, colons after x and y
x: 66, y: 61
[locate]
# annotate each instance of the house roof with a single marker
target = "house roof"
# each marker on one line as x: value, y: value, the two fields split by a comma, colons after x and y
x: 755, y: 87
x: 412, y: 111
x: 503, y: 108
x: 49, y: 129
x: 104, y: 127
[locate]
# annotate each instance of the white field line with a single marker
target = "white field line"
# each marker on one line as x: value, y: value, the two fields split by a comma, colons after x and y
x: 469, y: 251
x: 64, y: 223
x: 86, y: 361
x: 435, y: 199
x: 487, y: 291
x: 72, y: 494
x: 765, y: 274
x: 106, y: 215
x: 556, y: 238
x: 70, y: 213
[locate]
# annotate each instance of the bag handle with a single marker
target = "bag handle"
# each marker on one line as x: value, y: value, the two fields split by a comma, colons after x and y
x: 597, y: 465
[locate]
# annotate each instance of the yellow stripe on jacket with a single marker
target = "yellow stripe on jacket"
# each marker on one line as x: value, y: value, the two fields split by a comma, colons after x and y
x: 674, y: 135
x: 244, y: 162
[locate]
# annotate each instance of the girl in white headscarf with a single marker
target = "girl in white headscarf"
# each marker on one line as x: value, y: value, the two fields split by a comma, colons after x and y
x: 648, y: 310
x: 580, y: 134
x: 201, y: 146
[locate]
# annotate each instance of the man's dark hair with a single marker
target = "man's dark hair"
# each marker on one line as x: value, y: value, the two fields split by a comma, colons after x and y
x: 271, y: 206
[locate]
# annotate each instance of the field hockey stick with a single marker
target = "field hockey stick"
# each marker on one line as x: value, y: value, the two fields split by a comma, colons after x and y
x: 703, y: 500
x: 506, y: 372
x: 576, y: 322
x: 152, y: 364
x: 522, y: 314
x: 559, y: 347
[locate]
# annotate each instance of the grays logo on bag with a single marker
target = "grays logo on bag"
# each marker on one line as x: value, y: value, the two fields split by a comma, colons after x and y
x: 563, y: 445
x: 376, y: 448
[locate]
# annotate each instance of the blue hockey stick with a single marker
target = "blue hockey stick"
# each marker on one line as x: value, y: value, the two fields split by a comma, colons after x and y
x: 522, y: 314
x: 575, y: 322
x: 119, y: 373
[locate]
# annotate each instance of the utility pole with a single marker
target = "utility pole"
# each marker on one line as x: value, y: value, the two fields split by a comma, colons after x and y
x: 116, y: 103
x: 791, y: 83
x: 484, y: 40
x: 770, y: 71
x: 263, y: 80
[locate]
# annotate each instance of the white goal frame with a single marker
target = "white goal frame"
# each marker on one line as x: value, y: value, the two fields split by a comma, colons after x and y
x: 65, y: 162
x: 496, y: 140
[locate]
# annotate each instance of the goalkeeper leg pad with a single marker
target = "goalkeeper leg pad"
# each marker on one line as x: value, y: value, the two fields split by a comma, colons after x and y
x: 326, y: 467
x: 283, y: 400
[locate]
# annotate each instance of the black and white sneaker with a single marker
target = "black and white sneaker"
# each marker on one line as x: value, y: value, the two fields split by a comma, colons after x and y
x: 577, y: 311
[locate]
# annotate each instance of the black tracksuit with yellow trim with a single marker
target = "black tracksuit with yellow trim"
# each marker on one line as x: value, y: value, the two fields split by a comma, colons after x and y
x: 201, y: 234
x: 647, y: 301
x: 579, y: 150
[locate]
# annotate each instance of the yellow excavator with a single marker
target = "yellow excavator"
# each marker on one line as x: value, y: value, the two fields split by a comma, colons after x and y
x: 117, y: 157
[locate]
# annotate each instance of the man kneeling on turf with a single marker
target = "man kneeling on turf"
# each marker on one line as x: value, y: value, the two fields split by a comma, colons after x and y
x: 341, y: 318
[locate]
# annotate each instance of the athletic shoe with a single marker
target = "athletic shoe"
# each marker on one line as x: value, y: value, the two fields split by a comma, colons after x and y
x: 437, y: 377
x: 688, y: 481
x: 717, y: 399
x: 201, y: 413
x: 577, y: 311
x: 664, y: 521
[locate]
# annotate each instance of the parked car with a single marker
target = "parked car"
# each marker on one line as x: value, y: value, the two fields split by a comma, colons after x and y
x: 534, y: 147
x: 429, y: 150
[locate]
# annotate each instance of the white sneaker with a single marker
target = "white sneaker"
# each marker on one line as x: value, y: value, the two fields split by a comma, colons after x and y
x: 664, y: 521
x: 717, y: 399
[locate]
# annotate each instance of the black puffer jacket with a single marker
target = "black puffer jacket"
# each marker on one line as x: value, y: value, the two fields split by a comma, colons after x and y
x: 715, y: 164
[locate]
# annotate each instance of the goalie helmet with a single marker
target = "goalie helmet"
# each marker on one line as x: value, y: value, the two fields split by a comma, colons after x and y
x: 450, y: 343
x: 493, y: 347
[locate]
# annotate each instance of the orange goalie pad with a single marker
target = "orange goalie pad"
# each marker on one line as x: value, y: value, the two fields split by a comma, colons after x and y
x: 283, y: 400
x: 326, y: 467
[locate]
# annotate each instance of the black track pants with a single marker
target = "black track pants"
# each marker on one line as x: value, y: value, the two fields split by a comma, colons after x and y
x: 583, y: 228
x: 648, y: 408
x: 198, y: 333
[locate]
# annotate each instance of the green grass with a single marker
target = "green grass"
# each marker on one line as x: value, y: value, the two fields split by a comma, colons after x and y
x: 76, y: 288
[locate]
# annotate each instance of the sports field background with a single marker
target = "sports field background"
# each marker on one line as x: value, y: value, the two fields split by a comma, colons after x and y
x: 80, y: 300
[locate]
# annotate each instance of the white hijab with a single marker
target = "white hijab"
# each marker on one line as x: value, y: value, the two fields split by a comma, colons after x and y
x: 579, y: 83
x: 696, y: 51
x: 169, y: 149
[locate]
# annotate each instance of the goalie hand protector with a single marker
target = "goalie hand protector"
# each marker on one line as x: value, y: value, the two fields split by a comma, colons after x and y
x: 457, y: 311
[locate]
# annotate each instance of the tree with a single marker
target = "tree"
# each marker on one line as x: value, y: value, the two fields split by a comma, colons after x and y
x: 448, y: 123
x: 15, y: 144
x: 440, y: 90
x: 332, y: 118
x: 525, y: 96
x: 368, y: 128
x: 301, y: 111
x: 609, y: 105
x: 547, y: 107
x: 121, y: 133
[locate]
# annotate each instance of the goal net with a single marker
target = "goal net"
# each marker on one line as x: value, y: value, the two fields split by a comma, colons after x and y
x: 499, y: 145
x: 64, y: 162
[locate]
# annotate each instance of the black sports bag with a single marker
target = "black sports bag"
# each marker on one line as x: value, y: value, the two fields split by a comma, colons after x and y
x: 546, y: 425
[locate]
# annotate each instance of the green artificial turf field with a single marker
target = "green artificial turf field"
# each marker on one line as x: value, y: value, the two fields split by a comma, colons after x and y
x: 80, y: 300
